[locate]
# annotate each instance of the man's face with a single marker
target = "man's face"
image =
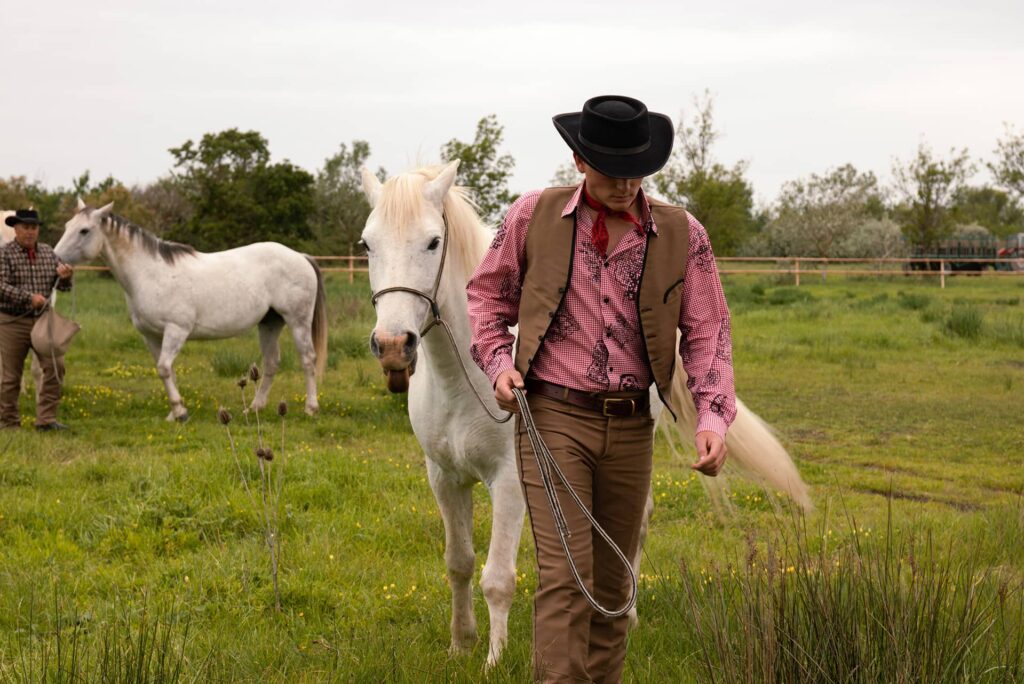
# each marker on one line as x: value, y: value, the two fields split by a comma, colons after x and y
x: 618, y: 194
x: 26, y: 234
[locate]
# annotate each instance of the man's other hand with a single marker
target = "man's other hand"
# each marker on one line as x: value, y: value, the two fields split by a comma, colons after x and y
x: 38, y: 301
x: 65, y: 271
x: 710, y: 453
x: 503, y: 389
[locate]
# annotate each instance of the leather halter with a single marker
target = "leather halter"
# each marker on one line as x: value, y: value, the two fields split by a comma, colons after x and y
x: 431, y: 298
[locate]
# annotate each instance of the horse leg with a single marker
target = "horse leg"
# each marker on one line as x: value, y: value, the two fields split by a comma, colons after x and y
x: 498, y: 581
x: 270, y: 333
x: 455, y: 500
x: 164, y: 352
x: 307, y: 354
x: 645, y: 526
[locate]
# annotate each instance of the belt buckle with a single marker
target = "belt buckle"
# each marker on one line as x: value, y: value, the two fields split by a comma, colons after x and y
x: 613, y: 401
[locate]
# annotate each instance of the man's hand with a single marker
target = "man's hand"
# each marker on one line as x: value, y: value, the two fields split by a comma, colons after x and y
x: 65, y: 271
x: 503, y: 389
x: 710, y: 453
x: 38, y: 301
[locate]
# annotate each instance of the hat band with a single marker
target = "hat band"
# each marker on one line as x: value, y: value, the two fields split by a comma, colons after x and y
x: 622, y: 151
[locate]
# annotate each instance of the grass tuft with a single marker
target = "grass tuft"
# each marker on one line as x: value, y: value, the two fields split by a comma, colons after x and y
x: 965, y: 320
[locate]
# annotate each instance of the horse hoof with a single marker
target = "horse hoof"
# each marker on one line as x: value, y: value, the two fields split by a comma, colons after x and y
x: 312, y: 410
x: 183, y: 418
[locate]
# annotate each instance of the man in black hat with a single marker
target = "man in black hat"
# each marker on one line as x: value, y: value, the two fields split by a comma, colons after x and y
x: 599, y: 279
x: 29, y: 270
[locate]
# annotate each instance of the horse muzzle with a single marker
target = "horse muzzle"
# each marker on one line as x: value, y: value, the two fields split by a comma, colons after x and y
x: 397, y: 356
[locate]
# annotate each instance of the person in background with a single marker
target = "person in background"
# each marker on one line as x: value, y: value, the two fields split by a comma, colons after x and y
x: 29, y: 270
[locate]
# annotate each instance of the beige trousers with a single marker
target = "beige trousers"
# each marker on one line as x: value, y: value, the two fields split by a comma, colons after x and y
x: 15, y: 344
x: 608, y: 462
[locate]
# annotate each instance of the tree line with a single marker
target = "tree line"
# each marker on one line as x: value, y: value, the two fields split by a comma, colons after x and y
x: 224, y: 190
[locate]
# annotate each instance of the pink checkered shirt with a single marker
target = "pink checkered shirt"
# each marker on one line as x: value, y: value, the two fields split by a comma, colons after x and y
x: 594, y: 343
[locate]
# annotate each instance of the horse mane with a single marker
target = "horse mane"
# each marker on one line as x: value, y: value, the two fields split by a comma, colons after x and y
x: 401, y: 205
x: 169, y: 251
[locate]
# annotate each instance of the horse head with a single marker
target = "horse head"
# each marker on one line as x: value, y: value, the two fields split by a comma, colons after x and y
x: 83, y: 235
x: 404, y: 238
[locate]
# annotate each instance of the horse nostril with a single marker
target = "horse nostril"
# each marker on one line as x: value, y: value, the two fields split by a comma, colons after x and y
x: 374, y: 345
x: 411, y: 340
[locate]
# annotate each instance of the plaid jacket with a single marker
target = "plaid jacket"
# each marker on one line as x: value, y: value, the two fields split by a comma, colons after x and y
x: 21, y: 278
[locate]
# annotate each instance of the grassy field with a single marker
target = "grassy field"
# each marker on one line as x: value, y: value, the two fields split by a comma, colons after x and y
x: 130, y: 549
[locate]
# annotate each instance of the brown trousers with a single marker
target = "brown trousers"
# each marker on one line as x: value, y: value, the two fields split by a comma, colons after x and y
x: 15, y: 344
x: 608, y: 462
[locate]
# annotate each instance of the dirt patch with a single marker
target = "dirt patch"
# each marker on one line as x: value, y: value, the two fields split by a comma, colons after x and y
x: 921, y: 498
x: 904, y: 471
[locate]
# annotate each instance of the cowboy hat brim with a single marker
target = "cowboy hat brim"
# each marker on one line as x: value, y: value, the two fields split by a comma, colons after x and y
x: 636, y: 165
x: 15, y: 220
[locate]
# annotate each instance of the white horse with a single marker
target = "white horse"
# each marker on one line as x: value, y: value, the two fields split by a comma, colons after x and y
x: 175, y: 294
x: 404, y: 237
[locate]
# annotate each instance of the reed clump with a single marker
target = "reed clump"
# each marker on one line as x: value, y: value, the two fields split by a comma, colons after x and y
x: 810, y: 606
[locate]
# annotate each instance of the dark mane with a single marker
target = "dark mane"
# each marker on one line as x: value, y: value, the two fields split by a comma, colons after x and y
x: 169, y: 251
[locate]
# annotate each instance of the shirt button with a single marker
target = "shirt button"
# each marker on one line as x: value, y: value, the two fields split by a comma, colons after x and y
x: 610, y: 369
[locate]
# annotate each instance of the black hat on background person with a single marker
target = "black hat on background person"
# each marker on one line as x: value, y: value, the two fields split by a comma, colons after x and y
x: 27, y: 216
x: 618, y: 136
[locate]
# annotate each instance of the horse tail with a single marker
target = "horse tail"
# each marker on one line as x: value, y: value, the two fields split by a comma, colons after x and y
x: 319, y: 325
x: 753, y: 447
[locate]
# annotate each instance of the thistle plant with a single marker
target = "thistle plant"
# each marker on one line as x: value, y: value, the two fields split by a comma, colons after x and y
x: 266, y: 502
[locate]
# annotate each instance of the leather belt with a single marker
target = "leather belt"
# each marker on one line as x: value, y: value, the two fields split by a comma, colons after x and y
x: 618, y: 407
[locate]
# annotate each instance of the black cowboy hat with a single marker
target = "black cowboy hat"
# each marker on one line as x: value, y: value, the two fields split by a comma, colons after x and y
x: 618, y: 136
x: 27, y: 216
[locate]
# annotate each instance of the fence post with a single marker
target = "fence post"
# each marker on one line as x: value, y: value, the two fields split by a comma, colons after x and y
x: 351, y: 266
x: 796, y: 272
x: 942, y: 273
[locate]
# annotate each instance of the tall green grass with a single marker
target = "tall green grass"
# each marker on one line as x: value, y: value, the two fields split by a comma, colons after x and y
x: 160, y: 558
x: 896, y: 607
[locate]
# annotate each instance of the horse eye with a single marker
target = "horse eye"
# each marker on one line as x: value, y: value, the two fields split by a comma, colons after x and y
x: 85, y: 231
x: 434, y: 243
x: 363, y: 246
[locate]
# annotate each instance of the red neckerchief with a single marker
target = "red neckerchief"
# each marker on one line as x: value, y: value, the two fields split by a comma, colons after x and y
x: 599, y: 238
x: 31, y: 253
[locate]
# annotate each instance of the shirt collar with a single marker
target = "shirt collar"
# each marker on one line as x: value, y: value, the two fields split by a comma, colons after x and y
x: 645, y: 208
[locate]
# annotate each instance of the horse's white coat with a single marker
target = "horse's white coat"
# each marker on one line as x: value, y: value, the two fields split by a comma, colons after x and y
x: 195, y: 295
x: 462, y: 444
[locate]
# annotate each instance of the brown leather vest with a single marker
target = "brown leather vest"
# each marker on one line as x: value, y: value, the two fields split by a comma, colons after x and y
x: 550, y: 242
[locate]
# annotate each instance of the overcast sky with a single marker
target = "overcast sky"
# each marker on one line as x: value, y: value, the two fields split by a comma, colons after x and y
x: 799, y: 86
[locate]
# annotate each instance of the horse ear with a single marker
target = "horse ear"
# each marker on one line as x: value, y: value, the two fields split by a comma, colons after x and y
x: 371, y: 186
x: 105, y: 210
x: 436, y: 189
x: 81, y: 204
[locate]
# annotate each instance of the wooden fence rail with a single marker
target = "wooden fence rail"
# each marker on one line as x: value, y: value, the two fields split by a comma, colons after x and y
x: 795, y: 266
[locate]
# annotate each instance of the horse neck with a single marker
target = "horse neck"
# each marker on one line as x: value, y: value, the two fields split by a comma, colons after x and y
x: 128, y: 261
